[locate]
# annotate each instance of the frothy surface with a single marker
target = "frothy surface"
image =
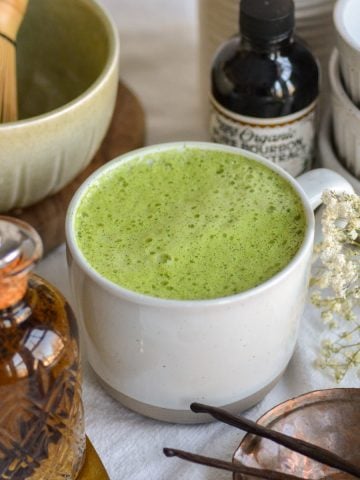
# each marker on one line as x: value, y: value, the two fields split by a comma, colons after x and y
x: 190, y: 224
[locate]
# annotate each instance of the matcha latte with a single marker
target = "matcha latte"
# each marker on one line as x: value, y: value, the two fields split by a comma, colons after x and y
x: 189, y: 224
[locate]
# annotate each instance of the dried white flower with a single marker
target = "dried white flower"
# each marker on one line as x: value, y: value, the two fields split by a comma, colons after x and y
x: 337, y: 282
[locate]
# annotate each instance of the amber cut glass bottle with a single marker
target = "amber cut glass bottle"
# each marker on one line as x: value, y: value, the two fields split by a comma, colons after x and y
x: 41, y: 414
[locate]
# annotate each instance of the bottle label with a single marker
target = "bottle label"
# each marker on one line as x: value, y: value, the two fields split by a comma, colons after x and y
x: 287, y: 141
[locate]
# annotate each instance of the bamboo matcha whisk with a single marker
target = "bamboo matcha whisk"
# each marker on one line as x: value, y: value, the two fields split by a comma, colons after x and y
x: 11, y: 15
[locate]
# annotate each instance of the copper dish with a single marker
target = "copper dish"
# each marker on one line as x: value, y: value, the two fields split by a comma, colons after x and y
x: 327, y: 418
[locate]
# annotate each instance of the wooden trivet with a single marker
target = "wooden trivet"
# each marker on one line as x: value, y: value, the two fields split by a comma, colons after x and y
x: 126, y: 132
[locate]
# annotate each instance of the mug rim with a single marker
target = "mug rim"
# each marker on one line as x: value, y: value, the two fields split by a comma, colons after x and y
x: 140, y: 298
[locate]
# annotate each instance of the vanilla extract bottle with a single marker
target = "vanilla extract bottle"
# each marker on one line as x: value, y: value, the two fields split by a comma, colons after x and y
x: 42, y: 433
x: 265, y: 87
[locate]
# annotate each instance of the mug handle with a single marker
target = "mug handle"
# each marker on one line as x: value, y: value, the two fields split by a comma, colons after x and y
x: 315, y: 182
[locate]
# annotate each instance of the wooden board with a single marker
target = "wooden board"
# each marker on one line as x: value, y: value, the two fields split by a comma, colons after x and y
x: 93, y: 468
x: 126, y: 132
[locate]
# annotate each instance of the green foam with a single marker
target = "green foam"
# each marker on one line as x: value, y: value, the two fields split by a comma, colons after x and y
x: 190, y: 224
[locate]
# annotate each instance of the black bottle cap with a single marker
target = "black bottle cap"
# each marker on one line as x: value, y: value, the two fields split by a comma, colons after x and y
x: 267, y: 20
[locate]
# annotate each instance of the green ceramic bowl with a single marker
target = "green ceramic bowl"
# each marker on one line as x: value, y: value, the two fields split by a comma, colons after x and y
x: 68, y: 56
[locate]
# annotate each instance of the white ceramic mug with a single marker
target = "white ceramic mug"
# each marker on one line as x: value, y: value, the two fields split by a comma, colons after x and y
x: 156, y: 356
x: 345, y: 119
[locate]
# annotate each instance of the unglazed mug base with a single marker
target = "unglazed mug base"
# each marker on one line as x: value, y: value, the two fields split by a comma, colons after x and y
x: 184, y: 416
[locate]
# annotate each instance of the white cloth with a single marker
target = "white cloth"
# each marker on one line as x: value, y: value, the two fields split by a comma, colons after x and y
x: 159, y: 62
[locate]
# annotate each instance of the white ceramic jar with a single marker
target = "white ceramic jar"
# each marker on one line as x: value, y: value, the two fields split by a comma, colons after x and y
x: 328, y: 156
x: 156, y: 356
x: 345, y: 119
x: 346, y: 19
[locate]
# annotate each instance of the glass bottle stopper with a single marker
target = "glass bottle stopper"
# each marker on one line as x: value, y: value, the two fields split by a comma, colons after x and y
x: 20, y: 248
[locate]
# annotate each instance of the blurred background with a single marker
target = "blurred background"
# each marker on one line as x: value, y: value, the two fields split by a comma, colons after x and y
x: 159, y: 61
